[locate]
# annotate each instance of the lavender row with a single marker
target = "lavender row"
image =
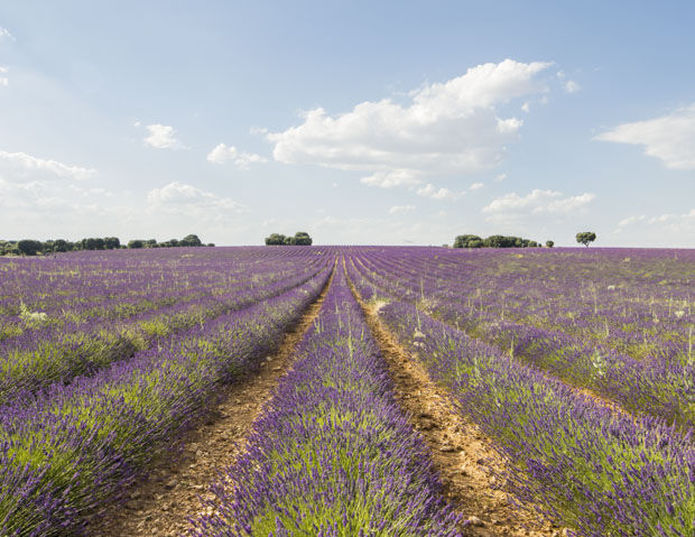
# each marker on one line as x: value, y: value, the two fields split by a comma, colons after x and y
x: 642, y: 308
x: 77, y: 448
x: 41, y: 302
x: 333, y: 456
x: 659, y: 388
x: 84, y: 353
x: 602, y: 473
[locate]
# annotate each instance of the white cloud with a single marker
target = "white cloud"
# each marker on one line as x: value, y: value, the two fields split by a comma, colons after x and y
x: 446, y: 128
x: 223, y: 153
x: 5, y: 34
x: 670, y: 138
x: 401, y: 209
x: 537, y: 202
x: 667, y: 229
x: 22, y: 166
x: 630, y: 220
x: 672, y: 221
x: 500, y: 177
x: 162, y: 137
x: 476, y: 186
x: 180, y: 198
x: 431, y: 191
x: 572, y: 87
x: 391, y: 178
x: 4, y: 81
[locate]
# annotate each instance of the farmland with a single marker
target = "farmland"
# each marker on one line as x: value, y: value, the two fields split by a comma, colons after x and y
x: 572, y: 372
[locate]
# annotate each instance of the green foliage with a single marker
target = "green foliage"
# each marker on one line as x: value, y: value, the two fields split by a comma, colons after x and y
x: 29, y: 247
x: 468, y: 241
x: 493, y: 241
x: 190, y: 240
x: 301, y: 238
x: 585, y: 237
x: 136, y: 243
x: 275, y: 239
x: 549, y: 244
x: 112, y: 243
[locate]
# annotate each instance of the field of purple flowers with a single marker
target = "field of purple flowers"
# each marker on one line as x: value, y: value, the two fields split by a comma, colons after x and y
x: 578, y: 363
x: 512, y: 335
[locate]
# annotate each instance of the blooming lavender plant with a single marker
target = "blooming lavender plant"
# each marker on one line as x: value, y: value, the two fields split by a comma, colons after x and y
x: 334, y: 454
x: 75, y: 448
x: 602, y: 473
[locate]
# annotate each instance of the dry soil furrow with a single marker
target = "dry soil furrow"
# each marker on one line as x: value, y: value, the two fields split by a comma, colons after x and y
x: 176, y: 491
x: 466, y: 460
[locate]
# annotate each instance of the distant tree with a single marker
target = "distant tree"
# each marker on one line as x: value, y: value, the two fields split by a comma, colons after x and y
x: 191, y: 240
x: 112, y: 243
x: 210, y: 245
x: 151, y: 243
x: 302, y: 238
x: 585, y: 237
x: 500, y: 241
x: 549, y: 244
x: 136, y: 243
x: 275, y: 239
x: 29, y: 247
x: 468, y: 241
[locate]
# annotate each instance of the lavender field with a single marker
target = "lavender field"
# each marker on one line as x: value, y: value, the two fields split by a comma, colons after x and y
x: 577, y: 365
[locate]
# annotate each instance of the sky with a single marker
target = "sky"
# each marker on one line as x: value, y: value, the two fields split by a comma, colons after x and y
x: 359, y: 122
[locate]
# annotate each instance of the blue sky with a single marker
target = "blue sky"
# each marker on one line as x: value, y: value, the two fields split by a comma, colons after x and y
x: 359, y: 122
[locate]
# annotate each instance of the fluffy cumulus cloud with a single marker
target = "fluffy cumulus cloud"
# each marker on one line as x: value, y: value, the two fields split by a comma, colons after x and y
x: 22, y: 167
x: 223, y: 153
x: 5, y: 34
x: 445, y: 129
x: 537, y: 202
x: 436, y: 193
x: 4, y: 81
x: 676, y: 222
x: 180, y: 198
x: 677, y: 229
x: 572, y: 87
x: 401, y: 209
x: 162, y: 137
x: 670, y: 138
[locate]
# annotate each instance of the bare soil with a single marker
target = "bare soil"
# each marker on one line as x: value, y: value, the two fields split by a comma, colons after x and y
x: 466, y: 460
x: 175, y: 493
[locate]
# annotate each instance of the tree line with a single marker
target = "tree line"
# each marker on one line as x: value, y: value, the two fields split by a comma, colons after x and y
x: 301, y: 238
x: 496, y: 241
x: 35, y: 247
x: 508, y: 241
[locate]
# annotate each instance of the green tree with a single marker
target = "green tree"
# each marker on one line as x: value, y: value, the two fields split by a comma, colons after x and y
x: 468, y: 241
x: 136, y: 243
x: 275, y: 239
x: 29, y: 247
x: 190, y: 240
x: 549, y: 244
x: 111, y: 243
x: 585, y: 237
x: 302, y: 238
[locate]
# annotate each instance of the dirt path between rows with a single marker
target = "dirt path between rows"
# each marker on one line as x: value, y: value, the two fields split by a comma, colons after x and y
x: 464, y: 457
x: 175, y: 493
